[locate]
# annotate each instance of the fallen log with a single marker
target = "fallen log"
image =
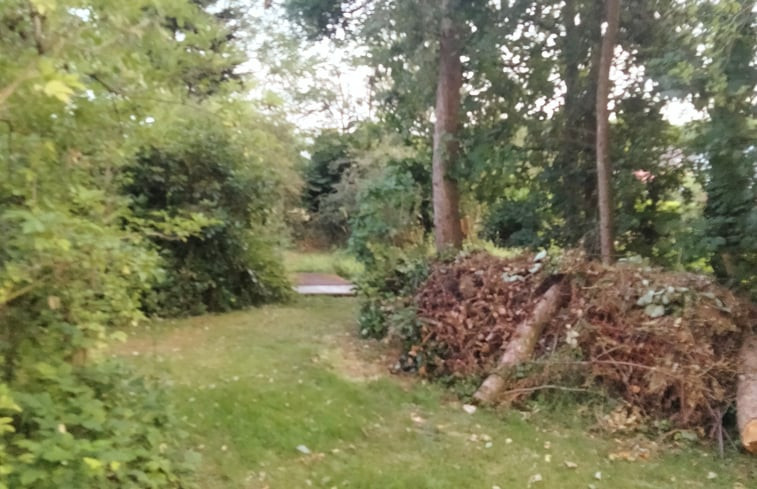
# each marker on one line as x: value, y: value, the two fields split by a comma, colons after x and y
x: 522, y: 344
x: 746, y: 394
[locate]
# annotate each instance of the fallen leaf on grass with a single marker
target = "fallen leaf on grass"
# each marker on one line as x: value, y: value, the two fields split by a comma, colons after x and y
x: 534, y: 479
x: 417, y: 419
x: 630, y: 456
x: 313, y: 458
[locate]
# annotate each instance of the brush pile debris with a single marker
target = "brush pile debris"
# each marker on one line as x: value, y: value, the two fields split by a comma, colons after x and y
x: 666, y: 343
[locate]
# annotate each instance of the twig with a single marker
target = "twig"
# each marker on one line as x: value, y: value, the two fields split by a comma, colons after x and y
x: 721, y: 450
x: 15, y: 295
x: 608, y: 362
x: 9, y: 89
x: 547, y: 387
x: 39, y: 41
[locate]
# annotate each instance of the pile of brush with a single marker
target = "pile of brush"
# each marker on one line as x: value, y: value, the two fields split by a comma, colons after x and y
x: 667, y: 343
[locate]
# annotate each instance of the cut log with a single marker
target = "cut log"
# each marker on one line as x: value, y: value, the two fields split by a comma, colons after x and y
x: 522, y: 344
x: 746, y: 394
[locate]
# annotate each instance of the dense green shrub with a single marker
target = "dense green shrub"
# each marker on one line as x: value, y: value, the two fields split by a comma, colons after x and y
x: 89, y: 426
x: 343, y: 176
x: 330, y: 156
x: 389, y: 212
x: 515, y: 223
x: 83, y: 86
x: 206, y: 177
x: 326, y: 194
x: 386, y: 289
x: 68, y: 419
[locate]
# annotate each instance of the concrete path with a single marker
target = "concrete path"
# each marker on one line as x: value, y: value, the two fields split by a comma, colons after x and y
x: 323, y: 284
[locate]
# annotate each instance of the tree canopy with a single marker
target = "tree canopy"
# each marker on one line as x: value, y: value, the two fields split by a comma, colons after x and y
x: 528, y: 119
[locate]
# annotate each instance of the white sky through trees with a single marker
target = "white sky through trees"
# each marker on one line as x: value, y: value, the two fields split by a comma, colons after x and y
x: 338, y: 86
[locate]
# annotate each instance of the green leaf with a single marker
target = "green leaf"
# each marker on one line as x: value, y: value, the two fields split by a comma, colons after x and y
x: 56, y: 454
x: 30, y: 474
x: 59, y: 90
x: 44, y: 6
x: 6, y: 426
x: 93, y: 464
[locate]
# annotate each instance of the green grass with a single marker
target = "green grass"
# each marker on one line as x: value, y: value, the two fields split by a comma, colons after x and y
x: 338, y: 262
x: 252, y: 386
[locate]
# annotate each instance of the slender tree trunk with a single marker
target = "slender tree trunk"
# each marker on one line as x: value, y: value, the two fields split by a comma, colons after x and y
x: 604, y: 165
x: 447, y: 229
x: 746, y: 394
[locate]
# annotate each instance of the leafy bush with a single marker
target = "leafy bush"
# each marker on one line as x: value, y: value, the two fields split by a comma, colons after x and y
x: 206, y: 178
x: 84, y: 86
x: 345, y: 168
x: 516, y: 223
x: 386, y: 290
x: 92, y: 426
x: 389, y: 212
x: 66, y: 418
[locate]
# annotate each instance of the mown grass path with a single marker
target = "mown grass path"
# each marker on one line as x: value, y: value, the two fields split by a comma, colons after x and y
x: 254, y: 386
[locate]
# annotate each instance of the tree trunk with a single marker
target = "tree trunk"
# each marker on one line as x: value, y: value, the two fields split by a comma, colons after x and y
x: 572, y: 176
x: 604, y: 166
x: 522, y: 344
x: 447, y: 229
x: 746, y: 394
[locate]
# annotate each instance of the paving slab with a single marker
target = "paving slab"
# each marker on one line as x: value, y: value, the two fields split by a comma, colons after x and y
x: 323, y: 284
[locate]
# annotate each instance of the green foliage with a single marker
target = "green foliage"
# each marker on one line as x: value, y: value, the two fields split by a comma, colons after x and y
x: 339, y: 262
x: 84, y: 86
x: 93, y: 426
x: 389, y: 213
x: 318, y: 18
x: 518, y: 223
x: 327, y: 202
x: 386, y: 290
x: 728, y: 141
x: 329, y: 158
x: 346, y: 177
x: 228, y: 262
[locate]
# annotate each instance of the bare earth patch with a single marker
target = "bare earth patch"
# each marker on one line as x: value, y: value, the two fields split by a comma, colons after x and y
x: 359, y: 360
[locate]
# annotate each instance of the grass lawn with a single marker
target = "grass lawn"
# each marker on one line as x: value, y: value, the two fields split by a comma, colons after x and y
x: 337, y: 262
x: 253, y: 386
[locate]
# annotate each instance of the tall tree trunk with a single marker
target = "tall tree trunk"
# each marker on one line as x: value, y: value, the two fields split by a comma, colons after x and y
x: 572, y: 179
x: 604, y: 165
x: 447, y: 229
